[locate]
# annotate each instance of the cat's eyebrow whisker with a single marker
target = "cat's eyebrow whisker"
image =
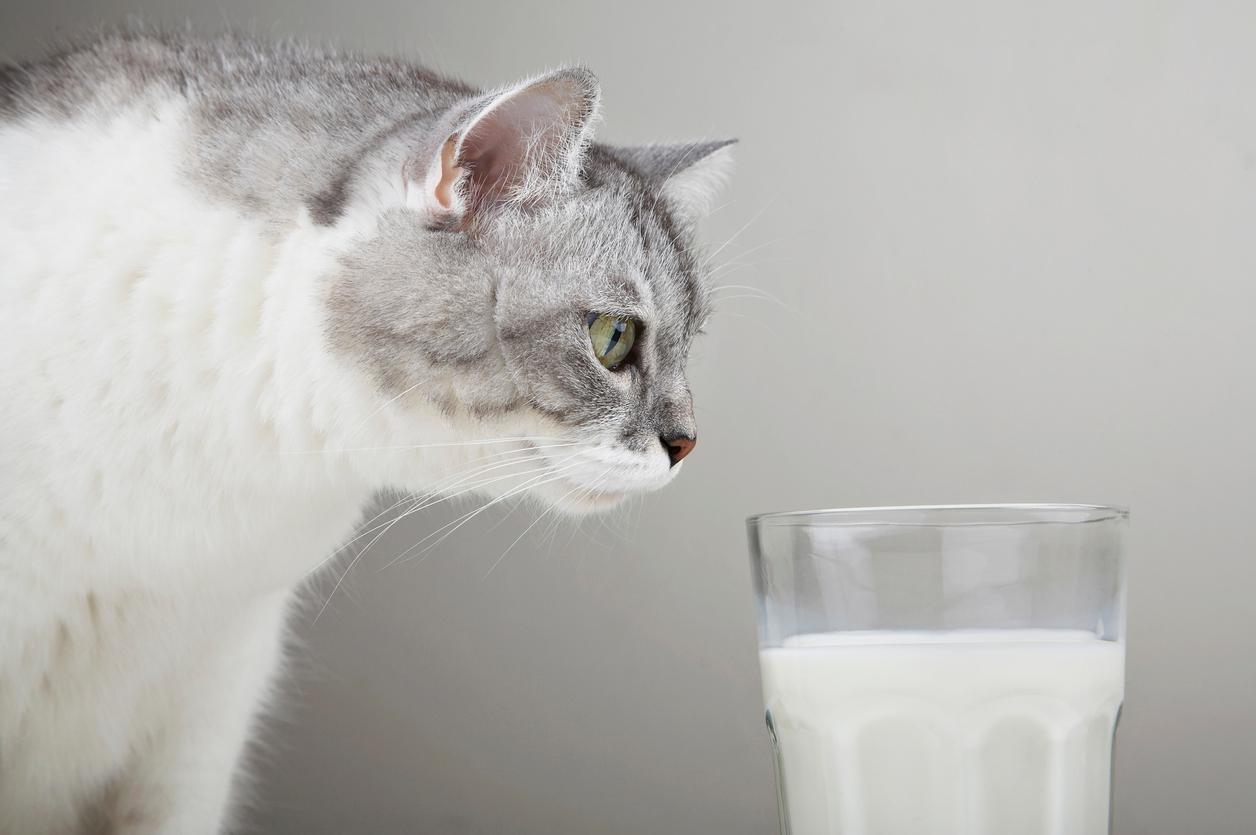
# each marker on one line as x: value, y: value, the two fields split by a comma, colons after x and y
x: 737, y: 294
x: 765, y: 328
x: 755, y: 298
x: 716, y: 288
x: 740, y: 258
x: 711, y: 257
x: 742, y: 287
x: 729, y: 268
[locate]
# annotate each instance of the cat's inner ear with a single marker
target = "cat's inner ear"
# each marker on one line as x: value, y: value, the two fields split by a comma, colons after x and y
x: 689, y: 176
x: 520, y: 145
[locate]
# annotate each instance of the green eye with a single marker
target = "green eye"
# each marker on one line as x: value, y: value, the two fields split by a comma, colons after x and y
x: 612, y: 338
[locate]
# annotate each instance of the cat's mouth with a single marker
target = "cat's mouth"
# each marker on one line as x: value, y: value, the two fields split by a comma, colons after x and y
x: 588, y: 477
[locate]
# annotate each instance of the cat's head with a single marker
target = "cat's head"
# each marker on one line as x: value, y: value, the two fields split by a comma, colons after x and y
x: 526, y: 282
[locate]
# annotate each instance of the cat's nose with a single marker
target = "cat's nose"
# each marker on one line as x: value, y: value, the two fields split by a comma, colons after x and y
x: 678, y: 446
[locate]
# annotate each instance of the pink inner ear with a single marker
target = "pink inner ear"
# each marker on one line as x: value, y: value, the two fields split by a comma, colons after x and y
x: 447, y: 178
x: 519, y: 138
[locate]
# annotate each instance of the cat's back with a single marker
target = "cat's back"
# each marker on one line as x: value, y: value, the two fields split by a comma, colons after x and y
x: 269, y: 125
x: 224, y: 72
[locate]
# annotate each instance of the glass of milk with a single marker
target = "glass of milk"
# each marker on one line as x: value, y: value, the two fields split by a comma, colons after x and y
x: 942, y: 670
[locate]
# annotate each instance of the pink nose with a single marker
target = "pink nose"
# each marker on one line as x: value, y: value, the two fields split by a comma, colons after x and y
x: 678, y: 447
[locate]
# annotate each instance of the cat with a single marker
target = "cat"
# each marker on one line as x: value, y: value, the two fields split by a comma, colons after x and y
x: 244, y: 287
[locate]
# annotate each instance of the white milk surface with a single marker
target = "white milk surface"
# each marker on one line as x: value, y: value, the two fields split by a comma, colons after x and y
x: 970, y: 732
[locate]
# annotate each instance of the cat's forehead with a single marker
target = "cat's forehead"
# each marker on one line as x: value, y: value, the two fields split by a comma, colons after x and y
x: 616, y: 238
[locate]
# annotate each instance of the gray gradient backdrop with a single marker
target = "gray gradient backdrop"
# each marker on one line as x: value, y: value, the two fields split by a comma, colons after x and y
x: 1014, y: 246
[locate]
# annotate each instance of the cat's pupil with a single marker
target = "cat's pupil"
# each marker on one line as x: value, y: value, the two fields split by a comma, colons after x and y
x: 616, y: 333
x: 612, y: 338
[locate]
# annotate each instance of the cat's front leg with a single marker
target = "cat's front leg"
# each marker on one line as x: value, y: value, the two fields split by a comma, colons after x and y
x: 183, y: 779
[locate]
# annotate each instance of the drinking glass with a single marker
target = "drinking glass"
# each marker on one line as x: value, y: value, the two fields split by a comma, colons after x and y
x: 942, y: 670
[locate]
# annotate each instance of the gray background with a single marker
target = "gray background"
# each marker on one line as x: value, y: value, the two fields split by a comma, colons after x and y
x: 1014, y: 249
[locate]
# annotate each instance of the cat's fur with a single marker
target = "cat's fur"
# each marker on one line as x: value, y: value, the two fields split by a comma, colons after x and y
x: 244, y: 287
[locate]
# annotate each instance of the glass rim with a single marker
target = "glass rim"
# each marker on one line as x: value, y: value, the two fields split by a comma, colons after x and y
x: 946, y: 515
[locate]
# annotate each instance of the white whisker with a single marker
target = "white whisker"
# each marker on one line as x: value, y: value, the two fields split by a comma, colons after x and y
x: 744, y: 287
x: 538, y: 481
x: 439, y: 445
x: 428, y: 500
x: 356, y: 427
x: 711, y: 257
x: 740, y: 257
x: 582, y: 489
x: 410, y: 512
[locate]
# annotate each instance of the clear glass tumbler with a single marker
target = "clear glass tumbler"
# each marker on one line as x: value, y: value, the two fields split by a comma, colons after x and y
x: 942, y: 670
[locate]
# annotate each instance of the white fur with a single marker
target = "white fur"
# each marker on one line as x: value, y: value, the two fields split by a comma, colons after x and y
x: 170, y: 427
x: 140, y: 603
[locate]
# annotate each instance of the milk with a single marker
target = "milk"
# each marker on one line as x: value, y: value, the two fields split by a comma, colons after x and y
x: 971, y: 732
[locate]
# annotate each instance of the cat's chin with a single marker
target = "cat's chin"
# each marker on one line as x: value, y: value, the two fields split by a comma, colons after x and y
x: 569, y: 498
x: 589, y: 502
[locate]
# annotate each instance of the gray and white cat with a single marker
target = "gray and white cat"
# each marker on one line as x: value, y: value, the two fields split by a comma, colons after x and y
x: 242, y: 289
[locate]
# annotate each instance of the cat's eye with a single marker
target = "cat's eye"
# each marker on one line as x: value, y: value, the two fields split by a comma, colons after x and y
x: 612, y: 338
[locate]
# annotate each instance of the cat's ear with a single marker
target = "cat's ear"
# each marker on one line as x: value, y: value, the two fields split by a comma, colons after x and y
x: 689, y: 176
x: 519, y: 145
